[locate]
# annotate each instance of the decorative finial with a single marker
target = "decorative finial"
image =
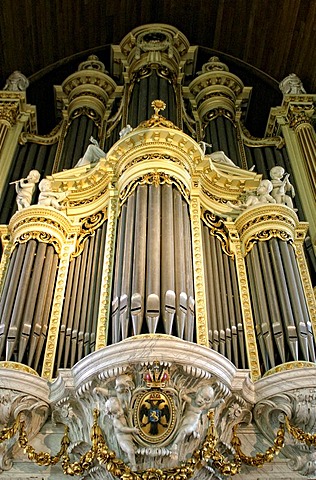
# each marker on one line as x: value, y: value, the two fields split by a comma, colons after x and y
x: 157, y: 106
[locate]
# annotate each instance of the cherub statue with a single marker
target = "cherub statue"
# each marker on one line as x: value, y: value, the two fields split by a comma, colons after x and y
x: 292, y: 84
x: 16, y: 82
x: 196, y: 407
x: 92, y: 154
x: 123, y: 388
x: 48, y: 197
x: 25, y: 188
x: 121, y: 430
x: 281, y: 186
x: 125, y: 131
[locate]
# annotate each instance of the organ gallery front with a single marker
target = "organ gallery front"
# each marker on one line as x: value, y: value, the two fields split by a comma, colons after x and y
x: 158, y: 315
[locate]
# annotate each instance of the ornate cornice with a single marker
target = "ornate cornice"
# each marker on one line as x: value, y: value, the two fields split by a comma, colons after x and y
x: 44, y: 224
x: 12, y: 108
x: 267, y: 221
x: 153, y: 45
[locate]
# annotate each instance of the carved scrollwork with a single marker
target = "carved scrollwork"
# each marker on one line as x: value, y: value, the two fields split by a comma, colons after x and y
x: 88, y: 228
x: 218, y: 229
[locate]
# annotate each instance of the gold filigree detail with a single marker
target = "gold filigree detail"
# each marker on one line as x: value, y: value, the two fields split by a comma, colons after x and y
x: 49, y: 139
x: 41, y: 237
x: 106, y: 285
x: 218, y: 229
x: 56, y: 311
x: 199, y: 277
x: 18, y: 366
x: 289, y: 366
x: 153, y: 178
x: 88, y: 228
x: 245, y: 303
x: 265, y: 235
x: 157, y: 120
x: 9, y: 112
x: 298, y: 433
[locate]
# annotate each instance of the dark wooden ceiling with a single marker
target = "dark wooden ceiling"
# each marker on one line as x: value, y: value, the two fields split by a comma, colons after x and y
x: 276, y: 36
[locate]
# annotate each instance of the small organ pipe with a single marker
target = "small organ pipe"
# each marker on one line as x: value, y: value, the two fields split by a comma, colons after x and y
x: 237, y: 307
x: 67, y: 299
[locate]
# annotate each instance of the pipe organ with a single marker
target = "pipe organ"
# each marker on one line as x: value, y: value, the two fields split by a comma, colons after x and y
x: 175, y: 239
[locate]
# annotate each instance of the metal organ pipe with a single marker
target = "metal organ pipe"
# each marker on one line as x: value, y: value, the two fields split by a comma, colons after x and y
x: 153, y: 276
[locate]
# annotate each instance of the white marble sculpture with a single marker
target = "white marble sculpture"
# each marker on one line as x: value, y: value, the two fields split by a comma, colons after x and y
x: 48, y: 197
x: 292, y: 84
x: 16, y: 82
x: 196, y: 406
x: 125, y: 131
x: 282, y: 191
x: 25, y: 188
x: 122, y: 431
x: 92, y: 154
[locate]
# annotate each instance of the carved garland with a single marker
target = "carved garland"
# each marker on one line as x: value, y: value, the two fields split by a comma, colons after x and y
x: 208, y: 452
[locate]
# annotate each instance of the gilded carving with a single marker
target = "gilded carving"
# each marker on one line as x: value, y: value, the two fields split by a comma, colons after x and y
x: 9, y: 112
x: 106, y: 286
x: 198, y: 264
x: 57, y: 306
x: 88, y: 228
x: 245, y: 303
x: 218, y: 229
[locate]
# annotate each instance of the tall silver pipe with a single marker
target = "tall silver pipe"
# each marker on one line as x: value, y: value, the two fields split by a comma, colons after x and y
x: 218, y: 300
x: 7, y: 302
x: 223, y: 293
x: 31, y: 299
x: 47, y: 308
x: 117, y: 278
x: 189, y: 326
x: 127, y: 266
x: 153, y: 258
x: 168, y: 294
x: 210, y: 292
x: 302, y: 300
x: 260, y: 298
x: 271, y: 294
x: 40, y: 304
x: 300, y: 319
x: 20, y: 299
x: 230, y: 310
x: 284, y: 299
x: 72, y: 307
x: 139, y: 260
x: 182, y: 297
